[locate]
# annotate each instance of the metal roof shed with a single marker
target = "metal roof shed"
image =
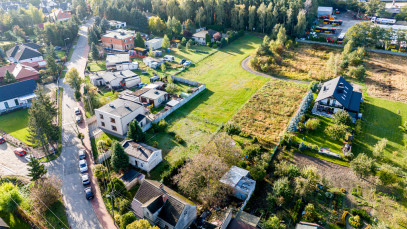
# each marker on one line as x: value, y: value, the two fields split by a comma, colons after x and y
x: 324, y: 10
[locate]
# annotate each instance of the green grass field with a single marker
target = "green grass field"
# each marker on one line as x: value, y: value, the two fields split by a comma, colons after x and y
x: 228, y: 88
x: 382, y: 120
x: 95, y: 66
x: 195, y: 57
x: 104, y: 136
x: 15, y: 124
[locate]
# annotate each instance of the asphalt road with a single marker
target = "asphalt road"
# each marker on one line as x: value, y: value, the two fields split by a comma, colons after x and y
x: 10, y: 163
x: 79, y: 210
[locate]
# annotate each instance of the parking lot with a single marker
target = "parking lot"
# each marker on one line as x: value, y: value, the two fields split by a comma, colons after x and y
x: 10, y: 163
x: 348, y: 22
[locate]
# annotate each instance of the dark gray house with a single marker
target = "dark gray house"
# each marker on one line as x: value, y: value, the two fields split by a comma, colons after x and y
x: 17, y: 95
x: 337, y: 94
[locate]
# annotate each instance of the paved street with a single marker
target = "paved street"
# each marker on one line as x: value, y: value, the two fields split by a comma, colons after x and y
x: 10, y: 163
x: 79, y: 210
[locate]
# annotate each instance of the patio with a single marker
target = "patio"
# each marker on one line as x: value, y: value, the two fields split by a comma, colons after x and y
x: 322, y: 111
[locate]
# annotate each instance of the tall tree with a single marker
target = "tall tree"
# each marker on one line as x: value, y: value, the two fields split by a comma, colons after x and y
x: 156, y: 25
x: 363, y: 165
x: 135, y: 132
x: 166, y: 42
x: 9, y: 78
x: 52, y: 67
x: 252, y: 17
x: 94, y: 52
x: 36, y: 170
x: 73, y: 79
x: 271, y: 19
x: 119, y: 159
x: 139, y: 41
x: 262, y: 15
x: 301, y: 23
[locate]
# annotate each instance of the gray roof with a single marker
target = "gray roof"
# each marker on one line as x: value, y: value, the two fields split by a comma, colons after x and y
x: 109, y: 76
x: 23, y: 52
x: 138, y: 150
x: 113, y: 59
x: 120, y: 107
x: 342, y: 91
x: 18, y: 89
x: 202, y: 33
x: 33, y: 45
x: 154, y: 94
x: 233, y: 176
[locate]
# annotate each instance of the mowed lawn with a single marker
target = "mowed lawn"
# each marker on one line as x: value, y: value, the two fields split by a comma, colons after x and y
x: 228, y: 89
x: 383, y: 117
x: 15, y: 124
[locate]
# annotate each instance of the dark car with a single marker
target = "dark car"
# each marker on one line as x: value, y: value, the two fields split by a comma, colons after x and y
x: 182, y: 61
x: 2, y: 140
x: 82, y: 154
x: 88, y: 193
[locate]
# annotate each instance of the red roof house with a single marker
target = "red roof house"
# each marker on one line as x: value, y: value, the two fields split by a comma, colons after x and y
x: 22, y: 72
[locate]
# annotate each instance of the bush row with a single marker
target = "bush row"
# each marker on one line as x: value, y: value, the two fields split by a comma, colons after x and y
x: 306, y: 102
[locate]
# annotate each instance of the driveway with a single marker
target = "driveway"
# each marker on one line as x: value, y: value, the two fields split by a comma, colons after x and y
x: 10, y: 163
x: 79, y: 210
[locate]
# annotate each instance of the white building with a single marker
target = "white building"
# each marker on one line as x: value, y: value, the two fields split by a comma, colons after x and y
x: 155, y: 97
x: 115, y: 116
x: 324, y: 11
x: 120, y: 62
x: 200, y: 36
x: 17, y: 95
x: 142, y: 156
x: 237, y: 178
x: 154, y: 44
x: 123, y: 79
x: 152, y: 62
x: 117, y: 24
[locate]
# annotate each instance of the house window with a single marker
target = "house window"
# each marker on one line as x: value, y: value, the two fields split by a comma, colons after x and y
x: 141, y: 164
x: 16, y: 101
x: 114, y: 128
x: 125, y: 41
x: 112, y: 120
x: 101, y: 116
x: 103, y: 123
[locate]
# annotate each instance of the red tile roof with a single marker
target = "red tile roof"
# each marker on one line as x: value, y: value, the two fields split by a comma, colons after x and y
x: 20, y: 71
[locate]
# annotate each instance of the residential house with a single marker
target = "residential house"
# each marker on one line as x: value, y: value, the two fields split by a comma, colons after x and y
x: 3, y: 225
x: 337, y: 94
x: 117, y: 24
x: 21, y: 71
x: 162, y: 206
x: 22, y: 53
x: 120, y: 62
x: 17, y: 95
x: 115, y: 116
x: 142, y: 156
x: 155, y: 97
x: 307, y: 225
x: 154, y: 44
x: 131, y: 178
x: 153, y: 62
x: 59, y: 15
x: 242, y: 220
x: 199, y: 37
x: 120, y: 79
x: 119, y: 40
x: 238, y: 179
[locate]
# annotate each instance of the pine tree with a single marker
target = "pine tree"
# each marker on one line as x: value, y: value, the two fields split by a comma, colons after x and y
x: 36, y: 170
x: 135, y: 132
x: 139, y: 41
x: 94, y: 51
x: 52, y: 67
x: 9, y: 78
x: 207, y: 38
x: 119, y: 159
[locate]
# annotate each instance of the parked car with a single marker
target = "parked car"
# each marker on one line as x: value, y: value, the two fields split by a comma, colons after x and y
x: 88, y: 193
x: 83, y: 167
x: 77, y: 111
x: 85, y: 179
x: 29, y: 157
x: 20, y: 152
x: 2, y: 140
x: 187, y: 63
x: 182, y: 61
x: 82, y: 154
x: 78, y: 119
x: 57, y: 47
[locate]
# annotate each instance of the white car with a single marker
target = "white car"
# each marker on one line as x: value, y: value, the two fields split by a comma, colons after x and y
x: 85, y: 179
x: 29, y: 157
x: 83, y: 167
x: 77, y: 111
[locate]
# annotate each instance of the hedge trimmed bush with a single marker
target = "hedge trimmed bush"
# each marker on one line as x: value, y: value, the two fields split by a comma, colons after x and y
x: 306, y: 102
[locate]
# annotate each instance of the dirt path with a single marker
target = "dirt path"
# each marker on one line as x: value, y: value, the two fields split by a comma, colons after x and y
x: 245, y: 65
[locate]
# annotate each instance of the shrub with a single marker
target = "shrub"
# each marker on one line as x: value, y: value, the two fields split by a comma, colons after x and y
x: 127, y: 219
x: 167, y: 175
x: 360, y: 212
x: 310, y: 213
x: 78, y: 95
x: 251, y: 151
x: 345, y: 213
x: 123, y: 205
x: 232, y: 129
x: 117, y: 186
x: 342, y: 190
x: 342, y: 117
x: 314, y: 86
x: 178, y: 139
x: 282, y: 188
x: 300, y: 126
x: 302, y: 147
x: 155, y: 144
x: 358, y: 72
x: 305, y: 103
x: 162, y: 125
x: 312, y: 124
x: 215, y: 46
x: 355, y: 221
x: 336, y: 131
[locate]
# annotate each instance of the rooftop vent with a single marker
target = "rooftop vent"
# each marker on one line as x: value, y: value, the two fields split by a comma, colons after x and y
x: 111, y: 105
x: 156, y: 92
x: 126, y: 106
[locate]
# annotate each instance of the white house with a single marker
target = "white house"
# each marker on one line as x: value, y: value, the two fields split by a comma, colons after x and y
x: 142, y: 156
x: 154, y: 96
x: 199, y: 37
x: 162, y: 206
x: 120, y: 79
x: 17, y: 95
x: 120, y: 62
x: 152, y: 62
x: 237, y: 178
x: 117, y: 24
x: 154, y: 44
x: 24, y: 53
x: 115, y: 116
